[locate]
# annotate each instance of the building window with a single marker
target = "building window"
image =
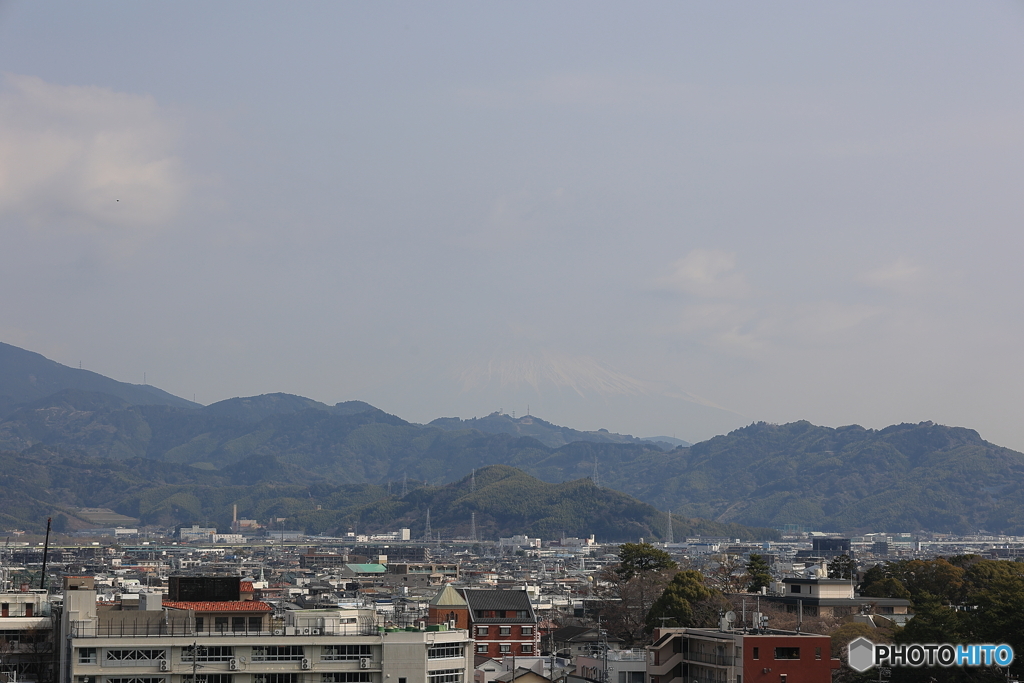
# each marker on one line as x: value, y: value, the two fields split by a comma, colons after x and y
x: 208, y: 678
x: 787, y: 653
x: 137, y: 680
x: 216, y: 653
x: 817, y: 653
x: 527, y: 649
x: 86, y: 655
x: 757, y: 653
x: 505, y: 647
x: 481, y: 630
x: 220, y: 624
x: 255, y: 623
x: 527, y: 630
x: 277, y: 653
x: 275, y: 678
x: 199, y: 623
x: 341, y: 653
x: 346, y: 677
x: 504, y: 630
x: 782, y: 678
x: 445, y: 676
x: 482, y: 649
x: 444, y: 651
x: 237, y: 624
x: 795, y: 588
x: 132, y: 656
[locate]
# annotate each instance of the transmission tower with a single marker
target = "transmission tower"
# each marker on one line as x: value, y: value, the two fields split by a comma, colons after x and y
x: 472, y: 526
x: 472, y: 481
x: 668, y: 536
x: 426, y: 528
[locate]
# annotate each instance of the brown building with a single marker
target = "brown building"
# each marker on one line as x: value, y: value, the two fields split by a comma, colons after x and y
x: 680, y: 655
x: 502, y: 622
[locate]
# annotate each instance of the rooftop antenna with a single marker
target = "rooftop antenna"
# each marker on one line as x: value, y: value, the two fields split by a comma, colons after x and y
x: 668, y: 536
x: 426, y: 528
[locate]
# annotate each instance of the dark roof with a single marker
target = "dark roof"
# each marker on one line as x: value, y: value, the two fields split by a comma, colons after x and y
x: 500, y: 601
x: 840, y: 602
x: 567, y: 633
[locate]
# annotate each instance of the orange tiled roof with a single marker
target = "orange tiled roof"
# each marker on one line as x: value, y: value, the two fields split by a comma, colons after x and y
x: 224, y: 606
x: 245, y: 587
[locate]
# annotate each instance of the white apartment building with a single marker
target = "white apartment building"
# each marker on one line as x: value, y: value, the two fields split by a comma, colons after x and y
x: 158, y: 645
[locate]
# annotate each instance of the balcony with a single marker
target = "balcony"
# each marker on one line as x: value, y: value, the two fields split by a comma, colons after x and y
x: 665, y: 661
x: 178, y: 628
x: 712, y: 659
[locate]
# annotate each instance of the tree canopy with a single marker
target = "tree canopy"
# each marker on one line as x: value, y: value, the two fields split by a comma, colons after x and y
x: 686, y: 601
x: 638, y: 558
x: 759, y: 573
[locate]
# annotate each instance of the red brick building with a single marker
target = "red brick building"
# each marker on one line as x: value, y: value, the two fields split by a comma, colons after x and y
x: 502, y: 622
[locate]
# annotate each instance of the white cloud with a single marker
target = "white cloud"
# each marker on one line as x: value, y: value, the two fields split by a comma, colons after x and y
x: 895, y: 275
x: 85, y: 158
x: 707, y: 273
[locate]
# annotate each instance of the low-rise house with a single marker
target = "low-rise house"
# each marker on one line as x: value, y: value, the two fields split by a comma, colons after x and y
x: 820, y: 597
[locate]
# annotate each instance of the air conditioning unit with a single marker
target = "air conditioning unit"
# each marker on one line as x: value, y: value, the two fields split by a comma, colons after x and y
x: 233, y: 665
x: 422, y: 625
x: 364, y: 662
x: 306, y: 631
x: 278, y: 632
x: 452, y: 623
x: 306, y: 664
x: 165, y: 665
x: 315, y: 632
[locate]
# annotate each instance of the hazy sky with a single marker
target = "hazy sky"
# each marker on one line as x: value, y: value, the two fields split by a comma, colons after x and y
x: 672, y: 219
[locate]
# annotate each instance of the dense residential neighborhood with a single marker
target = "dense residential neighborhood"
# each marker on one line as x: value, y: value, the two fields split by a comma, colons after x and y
x: 189, y: 606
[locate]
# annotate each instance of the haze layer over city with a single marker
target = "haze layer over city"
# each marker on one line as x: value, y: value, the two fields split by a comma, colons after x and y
x: 669, y: 220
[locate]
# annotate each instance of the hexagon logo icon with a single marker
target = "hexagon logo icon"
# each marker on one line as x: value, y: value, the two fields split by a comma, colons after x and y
x: 861, y: 653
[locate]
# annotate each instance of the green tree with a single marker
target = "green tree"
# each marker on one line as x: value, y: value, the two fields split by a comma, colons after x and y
x: 841, y: 567
x: 686, y: 601
x: 639, y: 558
x: 759, y: 574
x: 887, y: 587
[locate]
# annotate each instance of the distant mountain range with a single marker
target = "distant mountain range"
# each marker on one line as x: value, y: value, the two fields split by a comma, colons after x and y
x: 26, y: 376
x: 902, y: 478
x: 550, y: 435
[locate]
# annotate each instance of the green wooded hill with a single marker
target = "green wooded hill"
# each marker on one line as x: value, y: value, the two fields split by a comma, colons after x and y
x: 901, y: 478
x: 42, y: 483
